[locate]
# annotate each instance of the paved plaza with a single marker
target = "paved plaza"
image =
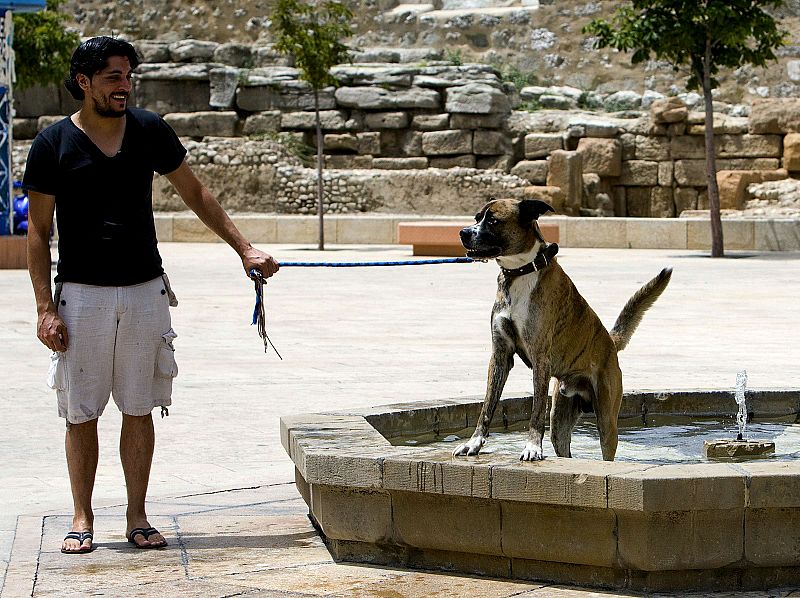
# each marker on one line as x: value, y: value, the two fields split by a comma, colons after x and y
x: 222, y: 486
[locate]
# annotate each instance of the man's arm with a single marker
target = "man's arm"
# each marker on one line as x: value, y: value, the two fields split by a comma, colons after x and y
x: 200, y: 200
x: 50, y: 328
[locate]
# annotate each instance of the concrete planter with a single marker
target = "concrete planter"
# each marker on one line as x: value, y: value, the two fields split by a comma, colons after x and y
x: 615, y: 525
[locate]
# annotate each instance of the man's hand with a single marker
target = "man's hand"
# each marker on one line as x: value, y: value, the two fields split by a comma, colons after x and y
x: 52, y: 331
x: 254, y: 258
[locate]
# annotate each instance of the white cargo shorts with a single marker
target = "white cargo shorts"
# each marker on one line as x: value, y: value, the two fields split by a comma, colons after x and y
x: 120, y: 345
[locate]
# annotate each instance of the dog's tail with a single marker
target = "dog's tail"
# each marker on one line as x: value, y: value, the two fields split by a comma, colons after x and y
x: 634, y: 309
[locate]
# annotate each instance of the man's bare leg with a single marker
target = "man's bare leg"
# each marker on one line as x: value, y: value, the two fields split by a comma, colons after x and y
x: 136, y: 444
x: 81, y: 448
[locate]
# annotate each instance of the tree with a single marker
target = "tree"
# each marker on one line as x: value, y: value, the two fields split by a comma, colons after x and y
x: 42, y: 46
x: 312, y: 33
x: 702, y: 35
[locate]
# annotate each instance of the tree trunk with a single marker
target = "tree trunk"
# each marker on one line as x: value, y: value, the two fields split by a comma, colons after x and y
x: 717, y: 249
x: 320, y: 204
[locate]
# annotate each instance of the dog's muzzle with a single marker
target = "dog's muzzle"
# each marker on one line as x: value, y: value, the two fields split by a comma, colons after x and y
x: 476, y: 246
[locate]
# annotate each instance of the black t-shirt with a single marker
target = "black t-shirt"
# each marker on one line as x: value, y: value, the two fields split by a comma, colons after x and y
x: 104, y: 205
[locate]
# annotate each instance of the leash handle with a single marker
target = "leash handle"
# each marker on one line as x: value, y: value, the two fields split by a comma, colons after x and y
x: 259, y: 317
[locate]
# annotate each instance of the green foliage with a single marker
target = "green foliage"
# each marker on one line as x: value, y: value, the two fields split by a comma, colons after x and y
x: 529, y: 106
x: 312, y: 34
x: 42, y: 46
x: 513, y: 74
x: 454, y: 57
x: 734, y: 32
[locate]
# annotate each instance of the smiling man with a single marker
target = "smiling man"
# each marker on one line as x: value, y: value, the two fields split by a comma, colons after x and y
x: 108, y: 323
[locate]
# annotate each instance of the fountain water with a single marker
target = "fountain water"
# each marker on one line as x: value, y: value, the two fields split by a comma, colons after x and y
x: 741, y: 447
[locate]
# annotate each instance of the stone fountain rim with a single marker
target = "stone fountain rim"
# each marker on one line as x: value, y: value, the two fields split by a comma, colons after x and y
x: 342, y: 448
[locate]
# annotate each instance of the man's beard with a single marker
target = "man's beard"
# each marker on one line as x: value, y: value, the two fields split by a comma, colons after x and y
x: 105, y: 110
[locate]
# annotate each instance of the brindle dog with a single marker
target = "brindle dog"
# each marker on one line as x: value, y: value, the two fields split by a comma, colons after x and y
x: 540, y: 316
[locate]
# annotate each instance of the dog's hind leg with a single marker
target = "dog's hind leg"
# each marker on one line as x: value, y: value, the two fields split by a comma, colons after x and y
x: 564, y: 414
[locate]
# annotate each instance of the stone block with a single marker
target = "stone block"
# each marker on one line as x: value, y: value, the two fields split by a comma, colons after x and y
x: 534, y: 171
x: 668, y: 110
x: 733, y: 185
x: 465, y: 161
x: 596, y: 232
x: 565, y: 172
x: 457, y: 478
x: 330, y: 120
x: 656, y: 233
x: 453, y: 523
x: 678, y: 487
x: 675, y: 540
x: 304, y: 229
x: 639, y: 173
x: 628, y: 141
x: 723, y: 125
x: 777, y: 235
x: 687, y: 147
x: 399, y: 163
x: 476, y: 98
x: 503, y: 162
x: 555, y: 482
x: 223, y: 82
x: 748, y: 164
x: 691, y: 173
x: 256, y: 228
x: 369, y: 143
x: 430, y: 122
x: 685, y: 198
x: 661, y: 204
x: 736, y: 234
x: 791, y: 152
x: 350, y: 514
x: 262, y: 122
x: 601, y: 156
x: 490, y: 143
x: 192, y: 50
x: 748, y: 146
x: 346, y: 141
x: 555, y: 196
x: 773, y: 484
x: 163, y: 224
x: 772, y: 537
x: 537, y: 532
x: 665, y: 174
x: 775, y: 116
x: 348, y: 161
x: 190, y: 229
x: 443, y: 143
x: 652, y: 148
x: 540, y: 145
x: 25, y: 128
x: 637, y: 202
x: 205, y: 124
x: 477, y: 121
x: 358, y: 230
x: 175, y: 95
x: 378, y: 98
x: 387, y: 120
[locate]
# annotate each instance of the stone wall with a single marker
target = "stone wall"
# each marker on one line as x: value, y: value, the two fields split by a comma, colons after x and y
x: 437, y: 138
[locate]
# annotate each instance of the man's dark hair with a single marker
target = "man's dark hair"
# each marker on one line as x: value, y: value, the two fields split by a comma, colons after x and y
x: 92, y: 56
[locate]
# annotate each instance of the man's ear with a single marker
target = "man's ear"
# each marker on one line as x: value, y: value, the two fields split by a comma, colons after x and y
x: 531, y: 209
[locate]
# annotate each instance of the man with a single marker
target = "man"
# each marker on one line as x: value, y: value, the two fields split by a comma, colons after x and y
x: 109, y: 323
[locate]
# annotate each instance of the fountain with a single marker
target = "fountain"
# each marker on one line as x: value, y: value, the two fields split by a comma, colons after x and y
x: 709, y: 525
x: 741, y: 446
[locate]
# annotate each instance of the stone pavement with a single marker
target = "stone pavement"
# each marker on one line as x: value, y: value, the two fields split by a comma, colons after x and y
x: 222, y: 485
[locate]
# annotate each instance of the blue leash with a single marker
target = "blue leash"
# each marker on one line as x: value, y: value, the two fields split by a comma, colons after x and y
x: 259, y: 281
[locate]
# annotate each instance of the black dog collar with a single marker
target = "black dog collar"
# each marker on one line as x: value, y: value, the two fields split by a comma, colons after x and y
x: 540, y: 262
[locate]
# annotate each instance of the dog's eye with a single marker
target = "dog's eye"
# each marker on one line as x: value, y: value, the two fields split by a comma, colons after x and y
x: 491, y: 220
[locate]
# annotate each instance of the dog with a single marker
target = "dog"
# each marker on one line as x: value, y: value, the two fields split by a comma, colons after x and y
x: 541, y: 317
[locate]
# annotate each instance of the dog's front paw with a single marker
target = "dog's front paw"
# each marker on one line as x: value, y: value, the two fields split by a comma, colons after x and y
x: 471, y: 447
x: 531, y: 452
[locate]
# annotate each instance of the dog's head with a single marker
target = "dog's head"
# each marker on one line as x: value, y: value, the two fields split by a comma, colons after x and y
x: 505, y: 227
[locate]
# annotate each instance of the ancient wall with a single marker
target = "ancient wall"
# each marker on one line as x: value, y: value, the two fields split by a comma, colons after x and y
x: 392, y: 130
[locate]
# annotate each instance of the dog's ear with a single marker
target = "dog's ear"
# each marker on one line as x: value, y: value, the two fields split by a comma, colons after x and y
x: 531, y: 209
